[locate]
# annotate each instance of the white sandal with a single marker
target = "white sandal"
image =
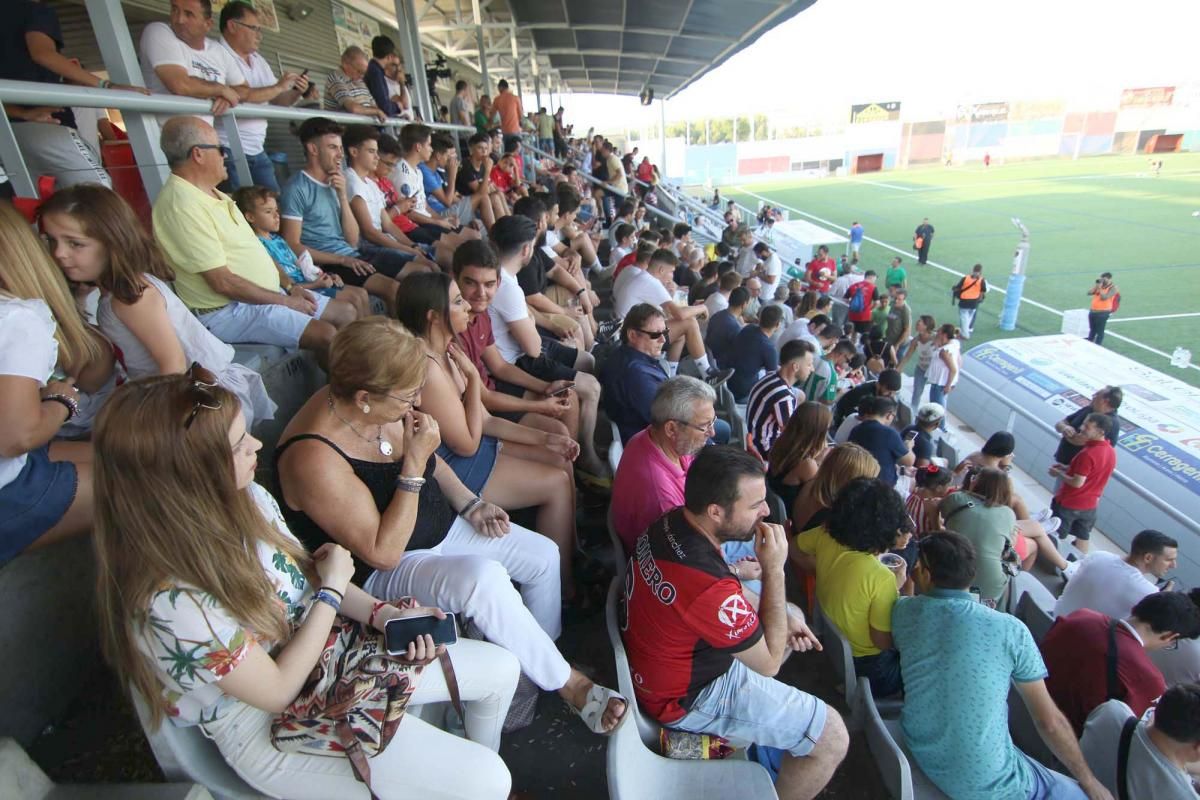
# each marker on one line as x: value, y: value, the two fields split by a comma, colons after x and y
x: 594, y: 707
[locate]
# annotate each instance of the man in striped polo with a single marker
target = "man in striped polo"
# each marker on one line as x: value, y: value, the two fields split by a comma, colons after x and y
x: 773, y: 398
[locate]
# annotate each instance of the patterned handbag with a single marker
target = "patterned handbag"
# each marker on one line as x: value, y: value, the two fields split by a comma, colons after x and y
x: 353, y: 700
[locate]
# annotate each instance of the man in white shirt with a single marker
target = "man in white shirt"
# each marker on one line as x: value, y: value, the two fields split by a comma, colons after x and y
x: 1161, y: 745
x: 417, y: 146
x: 1112, y: 585
x: 806, y: 329
x: 838, y: 292
x: 241, y: 35
x: 719, y: 300
x: 179, y: 58
x: 654, y: 285
x: 747, y: 260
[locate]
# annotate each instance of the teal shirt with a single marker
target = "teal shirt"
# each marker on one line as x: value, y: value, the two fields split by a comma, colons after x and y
x: 957, y: 658
x: 317, y: 207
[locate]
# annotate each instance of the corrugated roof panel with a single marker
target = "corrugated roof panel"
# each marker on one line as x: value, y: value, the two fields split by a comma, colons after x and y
x: 598, y: 40
x: 590, y: 12
x: 646, y: 43
x: 667, y: 14
x: 531, y: 12
x: 547, y: 38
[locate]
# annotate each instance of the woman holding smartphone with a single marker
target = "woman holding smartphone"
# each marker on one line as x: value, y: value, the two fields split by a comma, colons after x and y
x: 216, y: 615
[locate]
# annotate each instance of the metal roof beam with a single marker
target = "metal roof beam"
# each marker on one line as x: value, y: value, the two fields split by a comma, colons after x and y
x: 565, y: 26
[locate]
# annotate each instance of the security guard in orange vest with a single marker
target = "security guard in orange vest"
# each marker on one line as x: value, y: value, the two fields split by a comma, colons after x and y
x: 1105, y: 298
x: 969, y: 292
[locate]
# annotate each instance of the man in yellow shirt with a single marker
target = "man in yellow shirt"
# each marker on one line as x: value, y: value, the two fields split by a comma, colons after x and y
x: 855, y: 588
x: 222, y: 271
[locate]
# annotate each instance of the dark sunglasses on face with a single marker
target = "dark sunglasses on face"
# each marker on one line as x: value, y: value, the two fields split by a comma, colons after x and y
x: 653, y: 334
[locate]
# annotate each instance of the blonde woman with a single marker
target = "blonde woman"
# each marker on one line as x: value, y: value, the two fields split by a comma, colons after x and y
x: 215, y: 615
x: 47, y: 355
x: 96, y: 239
x: 842, y: 464
x: 357, y: 466
x: 797, y: 454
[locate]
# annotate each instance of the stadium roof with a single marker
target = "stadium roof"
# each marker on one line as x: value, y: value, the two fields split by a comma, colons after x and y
x: 604, y: 46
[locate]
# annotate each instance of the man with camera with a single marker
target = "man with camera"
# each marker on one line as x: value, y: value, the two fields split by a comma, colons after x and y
x: 1105, y: 299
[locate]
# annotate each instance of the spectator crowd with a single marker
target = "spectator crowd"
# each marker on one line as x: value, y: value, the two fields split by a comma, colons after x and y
x: 482, y: 311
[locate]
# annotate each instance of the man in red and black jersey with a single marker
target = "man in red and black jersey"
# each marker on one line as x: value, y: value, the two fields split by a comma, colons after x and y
x: 702, y: 656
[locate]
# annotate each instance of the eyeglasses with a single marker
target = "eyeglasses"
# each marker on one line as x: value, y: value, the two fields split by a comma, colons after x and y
x: 202, y: 382
x: 204, y: 147
x: 255, y: 28
x: 708, y: 427
x: 409, y: 400
x: 653, y: 334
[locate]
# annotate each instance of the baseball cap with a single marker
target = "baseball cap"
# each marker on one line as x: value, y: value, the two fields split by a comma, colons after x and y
x: 931, y: 411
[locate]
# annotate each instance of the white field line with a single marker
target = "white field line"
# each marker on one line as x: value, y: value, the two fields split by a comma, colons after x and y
x: 1050, y: 178
x: 954, y: 272
x: 1159, y: 316
x: 884, y: 185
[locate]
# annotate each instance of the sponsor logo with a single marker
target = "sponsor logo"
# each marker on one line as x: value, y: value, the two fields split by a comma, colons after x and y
x: 1193, y: 443
x: 1137, y: 441
x: 1167, y: 427
x: 736, y: 614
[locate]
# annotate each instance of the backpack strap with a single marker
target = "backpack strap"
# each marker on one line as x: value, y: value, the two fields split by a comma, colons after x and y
x: 1115, y: 692
x: 964, y: 507
x: 1123, y: 757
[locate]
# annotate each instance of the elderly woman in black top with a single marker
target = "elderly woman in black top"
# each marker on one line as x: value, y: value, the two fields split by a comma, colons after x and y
x: 358, y: 466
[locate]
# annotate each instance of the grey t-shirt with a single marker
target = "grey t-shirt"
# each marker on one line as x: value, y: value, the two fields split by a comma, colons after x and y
x: 1149, y: 773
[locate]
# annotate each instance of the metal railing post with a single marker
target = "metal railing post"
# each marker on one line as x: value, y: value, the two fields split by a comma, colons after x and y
x: 14, y: 162
x: 120, y: 59
x: 228, y: 123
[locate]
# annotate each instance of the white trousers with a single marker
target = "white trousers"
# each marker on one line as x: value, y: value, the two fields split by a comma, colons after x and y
x: 471, y: 574
x: 420, y: 761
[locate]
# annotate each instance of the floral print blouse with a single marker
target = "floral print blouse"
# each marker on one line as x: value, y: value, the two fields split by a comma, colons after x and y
x: 194, y: 643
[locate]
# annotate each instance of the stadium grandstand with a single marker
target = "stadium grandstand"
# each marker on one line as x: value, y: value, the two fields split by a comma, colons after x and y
x: 372, y: 429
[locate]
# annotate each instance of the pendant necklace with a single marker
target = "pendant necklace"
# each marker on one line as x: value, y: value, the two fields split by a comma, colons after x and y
x: 385, y: 447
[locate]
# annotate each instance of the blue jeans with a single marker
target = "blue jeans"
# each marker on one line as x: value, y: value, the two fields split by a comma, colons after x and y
x: 721, y: 432
x: 746, y: 707
x: 937, y: 394
x: 262, y: 170
x: 883, y: 670
x: 918, y: 387
x: 1051, y: 785
x: 735, y: 552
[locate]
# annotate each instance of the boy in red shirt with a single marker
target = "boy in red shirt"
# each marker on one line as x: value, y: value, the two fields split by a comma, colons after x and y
x: 862, y: 317
x: 1084, y: 480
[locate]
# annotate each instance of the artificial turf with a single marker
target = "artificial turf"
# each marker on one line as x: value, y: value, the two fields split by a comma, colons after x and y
x: 1107, y: 213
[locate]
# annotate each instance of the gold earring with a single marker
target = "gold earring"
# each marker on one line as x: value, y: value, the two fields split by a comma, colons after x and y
x: 366, y: 408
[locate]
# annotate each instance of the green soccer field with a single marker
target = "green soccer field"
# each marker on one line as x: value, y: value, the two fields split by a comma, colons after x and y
x: 1085, y: 217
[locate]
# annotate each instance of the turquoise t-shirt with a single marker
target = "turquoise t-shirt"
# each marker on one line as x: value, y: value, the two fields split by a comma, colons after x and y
x: 957, y: 658
x: 283, y: 255
x: 316, y: 205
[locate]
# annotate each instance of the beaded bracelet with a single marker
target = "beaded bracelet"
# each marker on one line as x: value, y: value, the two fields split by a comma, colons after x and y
x: 322, y: 596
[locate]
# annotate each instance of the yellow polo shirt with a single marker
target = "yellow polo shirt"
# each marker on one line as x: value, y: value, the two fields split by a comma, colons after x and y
x: 199, y: 232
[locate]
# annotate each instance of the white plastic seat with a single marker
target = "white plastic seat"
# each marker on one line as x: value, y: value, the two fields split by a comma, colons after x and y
x: 636, y: 771
x: 900, y: 771
x: 837, y: 647
x: 619, y: 558
x: 615, y: 449
x: 187, y: 755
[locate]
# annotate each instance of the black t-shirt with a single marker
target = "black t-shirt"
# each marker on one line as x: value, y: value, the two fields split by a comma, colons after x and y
x: 532, y: 277
x: 700, y: 292
x: 468, y: 173
x: 1066, y: 451
x: 15, y: 62
x: 685, y: 276
x: 922, y: 445
x: 848, y: 403
x: 882, y: 442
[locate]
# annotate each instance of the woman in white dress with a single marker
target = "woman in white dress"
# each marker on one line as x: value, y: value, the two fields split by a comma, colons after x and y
x: 944, y: 366
x: 96, y: 238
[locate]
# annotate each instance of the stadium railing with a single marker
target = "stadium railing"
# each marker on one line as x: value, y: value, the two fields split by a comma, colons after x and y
x: 29, y: 93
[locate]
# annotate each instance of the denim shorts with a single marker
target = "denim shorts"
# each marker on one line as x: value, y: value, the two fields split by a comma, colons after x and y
x: 747, y: 708
x: 473, y: 470
x: 35, y: 501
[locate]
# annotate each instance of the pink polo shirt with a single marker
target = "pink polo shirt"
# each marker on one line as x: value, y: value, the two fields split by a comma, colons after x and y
x: 647, y: 485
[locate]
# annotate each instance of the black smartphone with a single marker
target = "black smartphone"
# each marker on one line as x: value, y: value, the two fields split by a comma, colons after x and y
x: 399, y: 633
x: 304, y: 74
x: 563, y: 390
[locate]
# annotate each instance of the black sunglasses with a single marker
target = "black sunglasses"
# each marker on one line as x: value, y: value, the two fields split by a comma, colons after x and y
x: 653, y: 334
x: 202, y: 381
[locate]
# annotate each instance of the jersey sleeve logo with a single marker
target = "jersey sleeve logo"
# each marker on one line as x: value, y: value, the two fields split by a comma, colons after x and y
x: 735, y: 611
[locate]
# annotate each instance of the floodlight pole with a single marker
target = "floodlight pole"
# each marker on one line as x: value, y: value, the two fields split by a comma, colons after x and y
x: 1016, y: 280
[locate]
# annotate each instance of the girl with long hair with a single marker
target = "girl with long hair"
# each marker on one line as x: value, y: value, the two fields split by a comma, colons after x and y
x: 796, y: 455
x: 981, y: 512
x: 96, y: 239
x: 216, y: 615
x: 842, y: 464
x: 358, y: 466
x: 431, y: 307
x: 922, y: 346
x: 47, y: 356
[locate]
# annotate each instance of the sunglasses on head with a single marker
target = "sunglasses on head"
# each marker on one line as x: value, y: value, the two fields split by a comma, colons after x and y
x: 200, y: 386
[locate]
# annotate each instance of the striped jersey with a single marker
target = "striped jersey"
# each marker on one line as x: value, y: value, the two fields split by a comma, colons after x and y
x: 768, y: 409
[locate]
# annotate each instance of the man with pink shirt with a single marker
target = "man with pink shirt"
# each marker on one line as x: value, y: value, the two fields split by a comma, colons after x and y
x: 654, y: 464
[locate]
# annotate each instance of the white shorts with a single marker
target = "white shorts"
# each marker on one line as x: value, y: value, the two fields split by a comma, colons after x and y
x: 281, y: 326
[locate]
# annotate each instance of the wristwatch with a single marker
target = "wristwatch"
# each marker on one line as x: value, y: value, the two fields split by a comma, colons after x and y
x: 71, y: 404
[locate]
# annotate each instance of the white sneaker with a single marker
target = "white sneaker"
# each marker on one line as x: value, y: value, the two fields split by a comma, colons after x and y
x: 1072, y: 568
x: 1043, y: 516
x: 1052, y: 525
